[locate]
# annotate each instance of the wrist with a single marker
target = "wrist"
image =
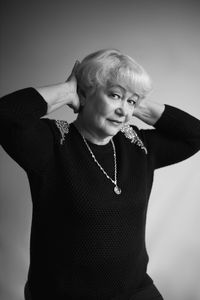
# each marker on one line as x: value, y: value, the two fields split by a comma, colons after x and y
x: 149, y: 111
x: 56, y: 95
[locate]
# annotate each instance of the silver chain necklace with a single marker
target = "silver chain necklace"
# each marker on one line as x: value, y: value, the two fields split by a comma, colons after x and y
x: 117, y: 190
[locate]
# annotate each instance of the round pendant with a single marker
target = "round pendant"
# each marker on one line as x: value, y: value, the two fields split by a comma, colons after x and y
x: 117, y: 190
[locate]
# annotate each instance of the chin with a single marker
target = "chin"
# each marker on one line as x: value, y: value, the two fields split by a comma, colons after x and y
x: 112, y: 131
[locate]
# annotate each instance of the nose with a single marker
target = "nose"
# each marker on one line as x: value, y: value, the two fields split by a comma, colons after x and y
x: 122, y: 110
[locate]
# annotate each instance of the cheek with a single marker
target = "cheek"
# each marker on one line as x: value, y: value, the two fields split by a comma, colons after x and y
x: 99, y: 107
x: 104, y: 108
x: 130, y: 115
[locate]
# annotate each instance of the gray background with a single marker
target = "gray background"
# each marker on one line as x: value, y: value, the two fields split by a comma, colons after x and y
x: 40, y: 42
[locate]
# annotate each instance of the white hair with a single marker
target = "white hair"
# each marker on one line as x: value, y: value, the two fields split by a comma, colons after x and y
x: 110, y: 67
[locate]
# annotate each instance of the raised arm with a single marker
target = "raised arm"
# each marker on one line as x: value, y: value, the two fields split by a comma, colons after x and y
x: 26, y: 137
x: 176, y: 135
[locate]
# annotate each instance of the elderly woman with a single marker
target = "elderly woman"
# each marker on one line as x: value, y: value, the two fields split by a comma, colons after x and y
x: 91, y: 180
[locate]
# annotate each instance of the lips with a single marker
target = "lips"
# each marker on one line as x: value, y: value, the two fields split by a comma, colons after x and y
x: 115, y: 122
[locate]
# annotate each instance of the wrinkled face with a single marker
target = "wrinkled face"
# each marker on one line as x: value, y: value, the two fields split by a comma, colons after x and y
x: 107, y: 109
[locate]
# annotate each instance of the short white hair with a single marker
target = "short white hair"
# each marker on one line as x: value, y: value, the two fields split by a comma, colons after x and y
x: 111, y: 67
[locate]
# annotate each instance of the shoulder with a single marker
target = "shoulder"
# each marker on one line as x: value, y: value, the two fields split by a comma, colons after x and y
x: 60, y: 128
x: 133, y: 135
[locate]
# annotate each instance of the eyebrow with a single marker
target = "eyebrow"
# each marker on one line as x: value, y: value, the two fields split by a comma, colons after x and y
x: 117, y: 86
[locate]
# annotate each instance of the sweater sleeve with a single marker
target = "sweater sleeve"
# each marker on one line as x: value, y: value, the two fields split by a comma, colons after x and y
x: 175, y: 138
x: 23, y: 134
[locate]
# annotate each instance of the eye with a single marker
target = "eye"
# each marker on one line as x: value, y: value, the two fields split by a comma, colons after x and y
x: 134, y: 100
x: 115, y: 96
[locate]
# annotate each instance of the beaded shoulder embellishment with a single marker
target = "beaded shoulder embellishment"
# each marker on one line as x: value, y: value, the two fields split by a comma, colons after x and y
x: 130, y: 134
x: 63, y: 126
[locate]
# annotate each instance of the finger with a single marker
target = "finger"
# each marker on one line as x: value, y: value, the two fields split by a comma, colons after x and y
x: 75, y: 67
x: 74, y: 70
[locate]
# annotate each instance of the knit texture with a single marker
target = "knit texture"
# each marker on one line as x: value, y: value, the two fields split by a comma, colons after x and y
x: 86, y: 241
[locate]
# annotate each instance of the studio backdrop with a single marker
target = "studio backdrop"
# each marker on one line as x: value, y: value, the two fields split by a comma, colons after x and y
x: 40, y: 41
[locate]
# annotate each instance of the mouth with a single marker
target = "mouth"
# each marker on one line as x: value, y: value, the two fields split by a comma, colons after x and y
x: 115, y: 122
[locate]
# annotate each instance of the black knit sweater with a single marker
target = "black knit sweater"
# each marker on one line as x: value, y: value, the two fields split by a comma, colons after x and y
x: 86, y: 241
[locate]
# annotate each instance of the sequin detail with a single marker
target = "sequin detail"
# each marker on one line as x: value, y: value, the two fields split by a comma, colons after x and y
x: 63, y: 126
x: 130, y: 134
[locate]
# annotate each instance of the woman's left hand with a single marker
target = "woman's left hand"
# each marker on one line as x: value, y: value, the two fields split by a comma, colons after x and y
x: 148, y: 111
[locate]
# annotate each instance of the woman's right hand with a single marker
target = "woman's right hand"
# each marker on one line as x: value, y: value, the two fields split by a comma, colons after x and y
x: 71, y: 82
x: 61, y: 94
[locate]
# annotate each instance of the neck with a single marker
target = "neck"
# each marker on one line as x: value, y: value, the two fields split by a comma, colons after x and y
x: 89, y: 133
